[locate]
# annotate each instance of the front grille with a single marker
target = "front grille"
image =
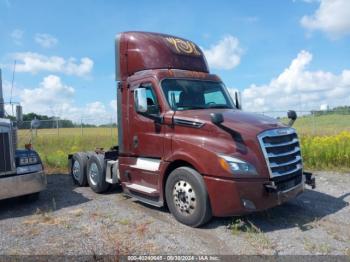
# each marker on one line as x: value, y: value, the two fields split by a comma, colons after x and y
x: 282, y: 152
x: 5, y: 153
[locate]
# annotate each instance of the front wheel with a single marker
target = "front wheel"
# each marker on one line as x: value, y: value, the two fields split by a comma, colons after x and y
x: 187, y: 197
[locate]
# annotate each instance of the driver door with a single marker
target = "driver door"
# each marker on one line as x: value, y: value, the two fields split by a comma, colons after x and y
x: 146, y: 136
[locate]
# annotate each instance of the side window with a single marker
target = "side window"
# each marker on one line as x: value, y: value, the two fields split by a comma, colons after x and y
x: 152, y: 103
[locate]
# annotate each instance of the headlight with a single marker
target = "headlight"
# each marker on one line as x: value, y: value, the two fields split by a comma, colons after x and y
x: 23, y: 161
x: 28, y: 160
x: 236, y: 166
x: 33, y: 159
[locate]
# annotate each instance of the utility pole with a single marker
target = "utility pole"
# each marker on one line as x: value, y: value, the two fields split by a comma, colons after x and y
x: 2, y: 105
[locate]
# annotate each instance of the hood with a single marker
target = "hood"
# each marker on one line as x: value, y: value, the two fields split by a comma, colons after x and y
x: 242, y: 122
x: 241, y: 143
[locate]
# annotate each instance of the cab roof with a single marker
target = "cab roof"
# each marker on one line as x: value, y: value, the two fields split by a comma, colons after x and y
x: 137, y: 51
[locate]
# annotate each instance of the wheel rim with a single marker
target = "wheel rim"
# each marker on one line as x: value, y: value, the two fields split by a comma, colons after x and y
x: 184, y: 197
x: 76, y: 170
x: 93, y: 174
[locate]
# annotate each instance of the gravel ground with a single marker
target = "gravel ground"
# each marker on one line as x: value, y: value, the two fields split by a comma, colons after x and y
x: 75, y: 221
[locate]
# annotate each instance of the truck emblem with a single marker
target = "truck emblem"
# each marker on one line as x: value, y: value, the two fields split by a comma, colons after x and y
x: 183, y: 46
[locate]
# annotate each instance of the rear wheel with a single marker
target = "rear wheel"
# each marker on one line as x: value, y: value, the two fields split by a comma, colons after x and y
x: 78, y: 168
x: 96, y: 173
x: 187, y: 197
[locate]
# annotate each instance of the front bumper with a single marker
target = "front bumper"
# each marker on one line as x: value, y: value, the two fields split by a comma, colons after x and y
x: 19, y: 185
x: 237, y: 197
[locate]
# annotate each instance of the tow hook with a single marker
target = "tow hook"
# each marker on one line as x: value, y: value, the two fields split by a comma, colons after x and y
x: 310, y: 179
x: 271, y: 187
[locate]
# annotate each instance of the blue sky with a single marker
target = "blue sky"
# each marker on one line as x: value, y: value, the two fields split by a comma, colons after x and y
x: 261, y: 37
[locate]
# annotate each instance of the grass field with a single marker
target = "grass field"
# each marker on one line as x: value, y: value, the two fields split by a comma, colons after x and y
x: 54, y: 146
x: 322, y: 125
x: 325, y: 142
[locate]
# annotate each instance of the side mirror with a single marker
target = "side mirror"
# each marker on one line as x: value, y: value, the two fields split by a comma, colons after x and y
x: 140, y: 98
x: 292, y: 115
x: 216, y: 118
x: 238, y: 100
x: 19, y: 113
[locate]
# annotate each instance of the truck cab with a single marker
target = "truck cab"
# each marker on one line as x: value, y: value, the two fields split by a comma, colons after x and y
x: 185, y: 143
x: 21, y: 170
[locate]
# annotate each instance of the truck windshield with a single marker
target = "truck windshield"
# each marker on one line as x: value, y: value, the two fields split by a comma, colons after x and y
x: 184, y: 94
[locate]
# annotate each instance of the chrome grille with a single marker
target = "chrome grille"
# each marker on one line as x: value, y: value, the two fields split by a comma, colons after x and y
x: 282, y: 152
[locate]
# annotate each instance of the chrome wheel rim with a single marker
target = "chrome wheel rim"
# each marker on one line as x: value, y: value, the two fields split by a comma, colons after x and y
x: 184, y: 197
x: 76, y: 170
x: 93, y: 174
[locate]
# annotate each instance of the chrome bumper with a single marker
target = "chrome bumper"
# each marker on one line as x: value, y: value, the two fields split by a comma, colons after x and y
x: 284, y: 196
x: 19, y: 185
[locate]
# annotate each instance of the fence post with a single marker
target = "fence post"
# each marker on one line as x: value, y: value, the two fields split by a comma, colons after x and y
x: 111, y: 128
x: 313, y: 123
x: 81, y: 127
x: 58, y: 128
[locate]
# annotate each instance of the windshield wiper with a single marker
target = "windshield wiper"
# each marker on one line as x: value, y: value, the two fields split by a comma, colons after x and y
x: 219, y: 106
x: 193, y: 107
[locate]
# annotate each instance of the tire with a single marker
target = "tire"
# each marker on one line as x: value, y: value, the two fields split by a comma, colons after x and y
x: 79, y: 168
x: 187, y: 197
x: 96, y: 173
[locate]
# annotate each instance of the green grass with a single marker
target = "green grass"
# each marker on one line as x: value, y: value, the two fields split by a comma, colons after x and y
x: 54, y: 148
x: 251, y: 233
x: 322, y: 125
x: 325, y: 142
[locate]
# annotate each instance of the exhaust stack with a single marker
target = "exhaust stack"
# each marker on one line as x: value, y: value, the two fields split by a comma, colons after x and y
x: 2, y: 106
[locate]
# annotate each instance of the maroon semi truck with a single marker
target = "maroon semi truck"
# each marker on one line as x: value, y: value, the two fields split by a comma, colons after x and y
x: 184, y: 142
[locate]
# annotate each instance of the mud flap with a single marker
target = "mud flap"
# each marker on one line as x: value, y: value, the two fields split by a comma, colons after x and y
x: 310, y: 179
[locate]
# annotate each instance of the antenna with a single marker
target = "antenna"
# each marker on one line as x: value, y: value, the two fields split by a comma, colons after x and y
x: 13, y: 80
x: 2, y: 106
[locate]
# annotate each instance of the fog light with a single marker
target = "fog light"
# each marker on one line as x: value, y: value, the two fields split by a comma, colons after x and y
x: 248, y: 204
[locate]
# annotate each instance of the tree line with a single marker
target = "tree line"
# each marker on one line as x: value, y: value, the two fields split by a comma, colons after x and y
x: 340, y: 110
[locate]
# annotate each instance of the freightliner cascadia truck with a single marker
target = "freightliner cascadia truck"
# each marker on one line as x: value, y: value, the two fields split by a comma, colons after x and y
x: 21, y: 170
x: 185, y: 143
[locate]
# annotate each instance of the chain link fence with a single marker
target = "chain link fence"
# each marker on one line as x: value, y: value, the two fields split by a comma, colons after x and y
x: 87, y: 129
x: 308, y: 123
x: 321, y: 132
x: 316, y: 123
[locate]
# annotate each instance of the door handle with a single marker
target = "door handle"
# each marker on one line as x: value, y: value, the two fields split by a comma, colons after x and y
x: 135, y: 141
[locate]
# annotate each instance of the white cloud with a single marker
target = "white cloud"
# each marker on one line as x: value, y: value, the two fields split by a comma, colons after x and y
x: 332, y: 17
x: 113, y: 105
x: 49, y: 97
x: 54, y: 98
x: 225, y: 54
x: 17, y: 36
x: 45, y: 40
x: 34, y: 63
x: 299, y: 89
